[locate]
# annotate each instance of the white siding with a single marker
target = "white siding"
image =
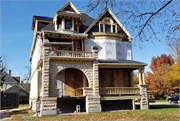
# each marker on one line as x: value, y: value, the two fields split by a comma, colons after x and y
x: 37, y: 55
x: 111, y: 49
x: 34, y: 73
x: 34, y: 86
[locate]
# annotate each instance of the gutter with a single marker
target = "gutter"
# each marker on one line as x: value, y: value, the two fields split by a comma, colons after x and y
x: 122, y: 64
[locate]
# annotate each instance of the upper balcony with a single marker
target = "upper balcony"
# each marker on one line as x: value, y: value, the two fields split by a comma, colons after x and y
x: 71, y: 55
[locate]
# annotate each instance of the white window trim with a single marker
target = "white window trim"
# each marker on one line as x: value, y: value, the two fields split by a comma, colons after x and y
x: 105, y: 23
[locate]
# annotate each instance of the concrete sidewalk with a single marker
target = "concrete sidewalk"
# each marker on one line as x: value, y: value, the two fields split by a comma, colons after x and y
x: 161, y: 103
x: 5, y: 114
x: 14, y: 110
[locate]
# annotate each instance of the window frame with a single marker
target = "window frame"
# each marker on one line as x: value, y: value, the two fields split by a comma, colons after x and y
x: 70, y: 22
x: 107, y: 21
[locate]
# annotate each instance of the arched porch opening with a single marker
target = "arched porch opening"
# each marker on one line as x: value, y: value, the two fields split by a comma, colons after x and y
x: 70, y: 82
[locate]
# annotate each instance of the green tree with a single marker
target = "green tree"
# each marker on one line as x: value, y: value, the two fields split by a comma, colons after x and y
x: 3, y: 68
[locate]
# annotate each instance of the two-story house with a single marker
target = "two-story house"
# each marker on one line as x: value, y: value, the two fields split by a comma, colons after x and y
x: 9, y: 81
x: 78, y: 60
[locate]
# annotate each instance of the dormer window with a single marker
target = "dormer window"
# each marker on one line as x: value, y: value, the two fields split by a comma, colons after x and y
x: 68, y: 24
x: 107, y: 28
x: 107, y: 25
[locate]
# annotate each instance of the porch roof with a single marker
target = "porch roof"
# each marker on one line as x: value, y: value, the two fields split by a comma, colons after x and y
x: 121, y: 63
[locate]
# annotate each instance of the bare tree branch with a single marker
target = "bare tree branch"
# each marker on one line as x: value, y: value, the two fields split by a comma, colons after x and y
x: 146, y: 19
x: 152, y: 16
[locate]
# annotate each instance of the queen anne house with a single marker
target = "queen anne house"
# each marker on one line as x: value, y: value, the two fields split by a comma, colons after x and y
x: 78, y: 60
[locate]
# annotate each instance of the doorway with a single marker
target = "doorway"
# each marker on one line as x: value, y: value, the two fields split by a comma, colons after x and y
x: 73, y: 82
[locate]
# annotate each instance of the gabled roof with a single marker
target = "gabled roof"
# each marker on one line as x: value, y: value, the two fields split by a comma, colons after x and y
x: 114, y: 17
x: 69, y: 4
x: 9, y: 79
x: 15, y: 85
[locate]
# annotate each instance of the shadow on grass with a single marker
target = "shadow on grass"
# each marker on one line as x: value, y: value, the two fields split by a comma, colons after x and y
x: 158, y: 106
x: 162, y: 106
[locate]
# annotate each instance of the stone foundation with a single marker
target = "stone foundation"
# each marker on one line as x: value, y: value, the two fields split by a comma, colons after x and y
x: 93, y: 104
x: 144, y: 96
x: 48, y: 106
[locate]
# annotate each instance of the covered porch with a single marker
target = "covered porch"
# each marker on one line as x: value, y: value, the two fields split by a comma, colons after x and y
x: 116, y: 81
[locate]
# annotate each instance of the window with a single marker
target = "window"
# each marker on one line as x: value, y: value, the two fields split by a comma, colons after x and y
x: 114, y: 28
x: 68, y: 24
x: 11, y: 84
x: 107, y: 28
x: 6, y: 85
x: 107, y: 25
x: 59, y: 24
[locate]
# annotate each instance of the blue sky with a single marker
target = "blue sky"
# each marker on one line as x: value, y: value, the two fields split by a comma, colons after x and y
x: 16, y: 34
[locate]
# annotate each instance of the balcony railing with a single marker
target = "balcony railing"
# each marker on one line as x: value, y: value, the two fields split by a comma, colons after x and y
x: 118, y: 90
x: 75, y: 54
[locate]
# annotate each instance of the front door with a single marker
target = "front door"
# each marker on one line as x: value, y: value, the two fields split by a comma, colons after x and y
x: 73, y: 82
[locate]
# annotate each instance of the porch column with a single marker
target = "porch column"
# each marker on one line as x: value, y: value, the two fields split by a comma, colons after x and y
x: 143, y: 77
x: 93, y: 103
x: 144, y: 97
x: 48, y: 104
x: 140, y: 76
x: 94, y: 49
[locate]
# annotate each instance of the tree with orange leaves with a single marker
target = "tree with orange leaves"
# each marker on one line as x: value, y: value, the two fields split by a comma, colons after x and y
x: 157, y: 62
x: 136, y: 79
x: 157, y: 80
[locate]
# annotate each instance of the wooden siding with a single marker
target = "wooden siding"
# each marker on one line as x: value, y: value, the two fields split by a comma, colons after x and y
x: 73, y: 80
x: 69, y: 85
x: 114, y: 77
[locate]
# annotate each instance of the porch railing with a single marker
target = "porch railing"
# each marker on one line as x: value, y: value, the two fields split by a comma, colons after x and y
x: 76, y: 54
x: 118, y: 90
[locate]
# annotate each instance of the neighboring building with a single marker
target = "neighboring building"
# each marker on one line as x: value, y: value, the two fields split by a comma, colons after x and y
x: 78, y: 60
x: 9, y: 81
x: 25, y: 86
x: 17, y: 89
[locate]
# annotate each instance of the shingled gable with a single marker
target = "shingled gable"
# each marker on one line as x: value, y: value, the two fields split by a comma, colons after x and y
x: 69, y: 7
x: 114, y: 17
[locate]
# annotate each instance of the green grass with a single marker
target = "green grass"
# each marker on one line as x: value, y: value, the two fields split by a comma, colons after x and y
x: 160, y: 100
x: 154, y: 113
x: 23, y: 105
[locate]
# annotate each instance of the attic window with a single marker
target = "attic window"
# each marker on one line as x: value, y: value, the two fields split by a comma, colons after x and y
x: 107, y: 28
x: 107, y: 25
x: 68, y: 24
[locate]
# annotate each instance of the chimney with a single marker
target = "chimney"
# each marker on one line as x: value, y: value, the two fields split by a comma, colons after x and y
x: 21, y: 82
x: 9, y: 72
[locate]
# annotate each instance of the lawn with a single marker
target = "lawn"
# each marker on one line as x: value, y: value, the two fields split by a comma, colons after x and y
x: 160, y: 100
x: 23, y: 105
x: 154, y: 113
